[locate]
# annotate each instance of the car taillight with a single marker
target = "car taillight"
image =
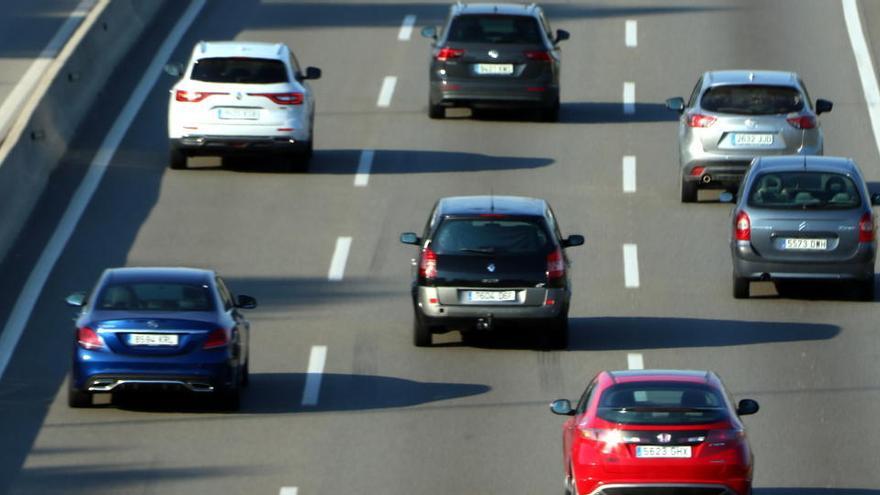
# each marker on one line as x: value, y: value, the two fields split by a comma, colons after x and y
x: 555, y: 265
x: 282, y: 98
x: 428, y: 264
x: 718, y: 438
x: 803, y: 122
x: 217, y: 338
x: 447, y: 53
x: 697, y: 171
x: 743, y: 227
x: 89, y: 339
x: 193, y: 96
x: 700, y: 120
x: 539, y: 55
x: 866, y: 228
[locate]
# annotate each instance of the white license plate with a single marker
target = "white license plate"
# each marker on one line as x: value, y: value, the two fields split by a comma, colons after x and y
x: 806, y: 244
x: 657, y: 451
x: 753, y: 139
x: 494, y: 69
x: 491, y: 296
x: 238, y: 113
x: 152, y: 339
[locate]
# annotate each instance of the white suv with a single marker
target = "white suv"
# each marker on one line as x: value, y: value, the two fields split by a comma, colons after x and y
x: 241, y: 97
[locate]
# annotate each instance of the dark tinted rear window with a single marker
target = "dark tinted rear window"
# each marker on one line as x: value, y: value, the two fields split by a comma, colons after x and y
x: 661, y: 403
x: 494, y: 29
x: 752, y: 100
x: 489, y: 235
x: 156, y: 297
x: 800, y: 190
x: 239, y: 70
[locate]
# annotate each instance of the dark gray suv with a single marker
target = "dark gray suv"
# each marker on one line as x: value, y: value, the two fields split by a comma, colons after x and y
x: 495, y: 55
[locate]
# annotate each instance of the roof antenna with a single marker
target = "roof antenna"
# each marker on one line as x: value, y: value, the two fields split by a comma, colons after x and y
x: 491, y: 201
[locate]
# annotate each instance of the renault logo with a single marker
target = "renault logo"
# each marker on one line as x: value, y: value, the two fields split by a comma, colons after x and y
x: 802, y: 226
x: 493, y: 53
x: 491, y: 267
x: 664, y: 437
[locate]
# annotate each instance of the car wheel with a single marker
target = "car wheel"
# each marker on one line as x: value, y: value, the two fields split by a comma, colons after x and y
x: 436, y: 111
x: 78, y: 398
x: 866, y: 289
x: 421, y: 332
x: 740, y: 287
x: 177, y: 159
x: 688, y: 191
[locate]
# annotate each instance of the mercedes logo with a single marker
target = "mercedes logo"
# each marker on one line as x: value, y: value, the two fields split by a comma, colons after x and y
x: 493, y: 53
x: 153, y: 324
x: 802, y: 226
x: 664, y: 437
x: 491, y: 267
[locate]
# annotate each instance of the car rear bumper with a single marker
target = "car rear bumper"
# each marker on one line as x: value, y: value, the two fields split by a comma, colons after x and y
x: 434, y: 313
x: 725, y: 169
x: 747, y: 263
x: 738, y: 487
x: 103, y: 376
x: 494, y: 93
x: 211, y: 145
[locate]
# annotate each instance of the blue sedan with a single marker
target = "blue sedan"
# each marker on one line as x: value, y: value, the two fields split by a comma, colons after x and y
x: 145, y: 328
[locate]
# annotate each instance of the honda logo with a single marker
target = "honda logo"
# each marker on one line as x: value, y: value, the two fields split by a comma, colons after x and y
x: 664, y: 437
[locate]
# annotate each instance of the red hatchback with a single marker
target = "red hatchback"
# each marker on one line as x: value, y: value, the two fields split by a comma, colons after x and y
x: 653, y: 432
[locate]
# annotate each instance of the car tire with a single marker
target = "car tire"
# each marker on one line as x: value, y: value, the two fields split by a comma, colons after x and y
x: 177, y: 158
x: 421, y: 332
x: 551, y: 113
x: 436, y: 111
x: 568, y: 483
x: 688, y: 191
x: 866, y: 289
x: 77, y: 398
x: 740, y: 287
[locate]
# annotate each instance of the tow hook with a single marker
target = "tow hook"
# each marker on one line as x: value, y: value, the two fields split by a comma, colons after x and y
x: 485, y: 323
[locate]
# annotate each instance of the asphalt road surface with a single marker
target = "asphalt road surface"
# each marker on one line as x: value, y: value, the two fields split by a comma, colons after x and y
x: 460, y: 419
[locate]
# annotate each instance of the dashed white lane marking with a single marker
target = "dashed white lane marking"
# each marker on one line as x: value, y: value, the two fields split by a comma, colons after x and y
x: 27, y: 299
x: 629, y: 174
x: 631, y: 37
x: 634, y: 361
x: 340, y: 257
x: 288, y: 490
x: 387, y: 91
x: 630, y: 266
x: 406, y: 28
x: 864, y: 64
x: 629, y: 98
x: 365, y: 163
x: 313, y: 376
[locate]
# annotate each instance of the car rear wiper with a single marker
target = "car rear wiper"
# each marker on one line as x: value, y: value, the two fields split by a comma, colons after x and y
x: 663, y: 409
x: 485, y: 250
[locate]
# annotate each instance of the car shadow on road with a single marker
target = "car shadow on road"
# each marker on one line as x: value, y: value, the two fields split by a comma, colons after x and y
x: 809, y: 290
x: 613, y: 113
x: 289, y: 292
x: 624, y: 333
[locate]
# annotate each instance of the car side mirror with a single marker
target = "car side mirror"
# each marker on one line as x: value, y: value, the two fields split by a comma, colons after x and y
x: 561, y: 407
x: 823, y: 106
x: 675, y: 104
x: 726, y: 197
x: 410, y: 238
x: 246, y: 302
x: 429, y: 32
x: 77, y: 299
x: 312, y: 73
x: 573, y: 240
x: 875, y: 199
x: 561, y: 35
x: 174, y: 69
x: 746, y: 407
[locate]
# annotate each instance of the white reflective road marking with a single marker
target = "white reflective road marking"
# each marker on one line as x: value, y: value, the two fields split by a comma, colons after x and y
x: 630, y: 266
x: 27, y: 299
x: 629, y: 174
x: 629, y: 98
x: 288, y: 490
x: 632, y: 33
x: 406, y: 28
x: 387, y: 91
x: 634, y: 361
x: 313, y: 377
x: 863, y: 62
x: 340, y: 256
x: 365, y: 163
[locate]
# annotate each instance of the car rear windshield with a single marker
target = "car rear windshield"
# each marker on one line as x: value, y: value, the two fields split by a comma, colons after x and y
x: 488, y: 235
x: 239, y: 70
x: 156, y: 297
x: 661, y: 403
x: 491, y: 28
x: 804, y: 189
x: 752, y: 100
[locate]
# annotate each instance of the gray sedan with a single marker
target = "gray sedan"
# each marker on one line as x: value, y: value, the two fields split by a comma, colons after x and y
x: 799, y: 217
x: 734, y: 116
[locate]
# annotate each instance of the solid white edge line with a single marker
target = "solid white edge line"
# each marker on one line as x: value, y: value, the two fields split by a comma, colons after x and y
x: 629, y: 174
x: 406, y: 28
x: 634, y: 361
x: 864, y: 64
x: 16, y: 98
x: 29, y: 295
x: 387, y: 91
x: 288, y: 490
x: 630, y: 266
x: 631, y: 37
x: 629, y: 98
x: 340, y: 257
x: 365, y: 163
x: 312, y: 388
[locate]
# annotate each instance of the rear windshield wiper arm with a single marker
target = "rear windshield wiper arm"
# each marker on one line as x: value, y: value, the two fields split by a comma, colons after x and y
x: 488, y: 250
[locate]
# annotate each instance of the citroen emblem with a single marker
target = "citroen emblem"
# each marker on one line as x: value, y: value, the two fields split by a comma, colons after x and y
x: 491, y: 267
x: 493, y: 53
x: 153, y: 324
x: 664, y: 437
x: 802, y: 226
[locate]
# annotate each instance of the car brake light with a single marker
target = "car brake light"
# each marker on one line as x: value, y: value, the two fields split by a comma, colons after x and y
x: 743, y: 227
x: 539, y: 55
x: 428, y: 264
x: 282, y: 98
x: 194, y: 96
x: 700, y: 120
x: 448, y: 53
x: 217, y: 338
x: 803, y: 122
x: 866, y: 228
x: 89, y: 339
x: 555, y: 265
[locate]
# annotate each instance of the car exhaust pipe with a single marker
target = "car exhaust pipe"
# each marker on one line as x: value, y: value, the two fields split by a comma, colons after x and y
x: 484, y: 324
x: 706, y: 178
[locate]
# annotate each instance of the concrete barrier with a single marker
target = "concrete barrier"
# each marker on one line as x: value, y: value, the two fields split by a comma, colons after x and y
x: 59, y: 105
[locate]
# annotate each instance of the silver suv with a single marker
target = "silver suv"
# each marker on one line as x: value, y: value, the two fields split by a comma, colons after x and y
x: 734, y: 116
